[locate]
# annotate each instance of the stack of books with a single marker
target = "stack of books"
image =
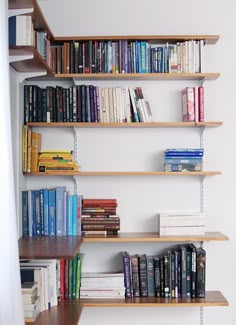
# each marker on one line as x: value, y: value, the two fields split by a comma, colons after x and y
x: 99, y: 217
x: 102, y: 285
x: 56, y: 160
x: 180, y: 160
x: 172, y: 224
x: 31, y: 301
x: 193, y: 104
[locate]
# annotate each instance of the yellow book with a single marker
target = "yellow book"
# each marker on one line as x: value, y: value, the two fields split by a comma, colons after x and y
x: 29, y: 150
x: 35, y: 148
x: 24, y: 147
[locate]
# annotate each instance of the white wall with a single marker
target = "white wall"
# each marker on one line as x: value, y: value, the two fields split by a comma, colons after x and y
x: 11, y: 311
x: 139, y: 198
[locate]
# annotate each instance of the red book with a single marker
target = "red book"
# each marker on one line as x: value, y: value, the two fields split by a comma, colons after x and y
x: 62, y: 279
x: 201, y: 103
x: 66, y: 282
x: 89, y: 203
x: 188, y: 104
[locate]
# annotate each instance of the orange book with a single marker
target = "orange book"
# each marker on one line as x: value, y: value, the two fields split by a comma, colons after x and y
x: 24, y: 147
x: 29, y: 150
x: 35, y: 148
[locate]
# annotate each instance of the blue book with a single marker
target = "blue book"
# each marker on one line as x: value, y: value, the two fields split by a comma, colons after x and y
x: 79, y: 213
x: 33, y: 213
x: 12, y: 31
x: 30, y: 213
x: 65, y: 211
x: 160, y: 59
x: 41, y: 200
x: 60, y: 210
x: 52, y: 212
x: 45, y: 211
x: 25, y: 224
x: 37, y: 212
x: 69, y: 215
x: 74, y: 214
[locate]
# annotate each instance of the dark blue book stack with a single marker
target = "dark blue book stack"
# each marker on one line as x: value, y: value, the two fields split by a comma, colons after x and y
x: 182, y: 160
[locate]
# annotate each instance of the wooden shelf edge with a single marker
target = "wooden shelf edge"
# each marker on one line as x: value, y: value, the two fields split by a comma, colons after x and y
x: 141, y: 76
x: 121, y: 173
x: 212, y: 298
x: 210, y: 39
x: 126, y: 125
x: 153, y: 237
x: 49, y: 247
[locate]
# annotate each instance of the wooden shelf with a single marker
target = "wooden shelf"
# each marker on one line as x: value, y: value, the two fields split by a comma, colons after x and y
x: 126, y: 125
x: 213, y: 298
x: 139, y: 76
x: 49, y: 247
x: 112, y: 173
x: 68, y: 313
x: 152, y: 237
x: 34, y: 64
x: 38, y: 18
x: 209, y: 39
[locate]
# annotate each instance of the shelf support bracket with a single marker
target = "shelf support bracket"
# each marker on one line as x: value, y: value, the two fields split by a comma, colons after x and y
x: 25, y: 75
x: 17, y: 12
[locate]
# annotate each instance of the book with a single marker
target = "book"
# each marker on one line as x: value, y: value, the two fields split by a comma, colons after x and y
x: 143, y: 275
x: 188, y: 104
x: 201, y: 273
x: 201, y: 103
x: 150, y: 276
x: 35, y: 149
x: 127, y: 275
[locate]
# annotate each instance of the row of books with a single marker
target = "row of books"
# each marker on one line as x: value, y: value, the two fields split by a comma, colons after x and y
x: 183, y: 159
x: 174, y: 224
x: 51, y: 281
x: 178, y: 273
x: 102, y: 285
x: 124, y: 56
x: 85, y: 103
x: 51, y: 212
x: 99, y: 216
x: 193, y: 104
x: 21, y: 33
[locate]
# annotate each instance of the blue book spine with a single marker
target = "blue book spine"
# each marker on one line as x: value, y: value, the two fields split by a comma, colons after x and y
x: 45, y: 211
x: 60, y: 210
x: 69, y: 215
x: 74, y: 214
x: 160, y: 60
x: 30, y: 213
x: 12, y: 31
x: 25, y: 223
x: 65, y: 212
x: 33, y: 213
x: 79, y: 213
x: 41, y: 211
x: 52, y: 212
x: 37, y: 212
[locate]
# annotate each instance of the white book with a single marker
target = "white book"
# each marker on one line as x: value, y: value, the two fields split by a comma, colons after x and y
x: 102, y: 275
x: 165, y: 219
x: 201, y: 55
x: 177, y: 231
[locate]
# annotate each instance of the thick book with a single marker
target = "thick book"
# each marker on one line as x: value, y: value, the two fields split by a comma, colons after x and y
x: 143, y: 282
x: 60, y: 210
x: 201, y: 273
x: 135, y: 275
x: 128, y: 275
x: 150, y: 276
x: 188, y: 104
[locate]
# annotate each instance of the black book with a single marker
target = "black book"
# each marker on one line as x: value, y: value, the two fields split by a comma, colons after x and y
x: 127, y: 274
x: 201, y: 273
x: 162, y: 276
x: 188, y: 271
x: 135, y: 275
x: 143, y: 275
x: 183, y: 271
x: 150, y: 276
x: 167, y: 276
x: 157, y: 275
x: 193, y: 249
x: 43, y: 105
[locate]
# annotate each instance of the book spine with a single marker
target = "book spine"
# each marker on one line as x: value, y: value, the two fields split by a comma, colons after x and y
x: 201, y: 103
x: 127, y: 274
x: 45, y: 211
x: 150, y: 276
x: 25, y: 225
x: 183, y: 272
x: 52, y: 212
x: 143, y: 275
x: 74, y: 214
x: 201, y: 273
x: 60, y: 210
x: 135, y: 275
x: 41, y: 199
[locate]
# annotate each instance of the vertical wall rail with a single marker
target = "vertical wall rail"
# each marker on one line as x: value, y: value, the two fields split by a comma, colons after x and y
x: 76, y: 137
x: 202, y: 210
